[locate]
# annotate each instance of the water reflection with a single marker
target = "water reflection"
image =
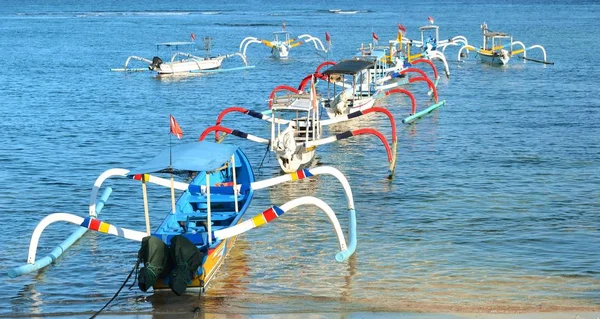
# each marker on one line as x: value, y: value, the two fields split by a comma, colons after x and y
x: 287, y: 191
x: 348, y: 280
x: 28, y: 300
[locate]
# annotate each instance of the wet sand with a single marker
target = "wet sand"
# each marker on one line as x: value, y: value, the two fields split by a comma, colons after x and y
x: 368, y: 315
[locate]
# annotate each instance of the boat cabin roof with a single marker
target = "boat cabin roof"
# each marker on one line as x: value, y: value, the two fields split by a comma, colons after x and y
x: 496, y: 35
x: 349, y: 67
x: 372, y: 55
x: 293, y: 102
x: 428, y: 27
x: 189, y: 157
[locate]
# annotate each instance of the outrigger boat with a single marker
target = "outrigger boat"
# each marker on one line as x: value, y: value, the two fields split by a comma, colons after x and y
x: 184, y: 62
x: 282, y: 43
x: 430, y: 46
x: 347, y: 96
x: 388, y: 63
x: 193, y: 240
x: 496, y: 51
x: 297, y: 128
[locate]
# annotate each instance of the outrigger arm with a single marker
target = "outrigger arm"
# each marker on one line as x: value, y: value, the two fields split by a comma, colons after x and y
x: 346, y: 250
x: 275, y: 211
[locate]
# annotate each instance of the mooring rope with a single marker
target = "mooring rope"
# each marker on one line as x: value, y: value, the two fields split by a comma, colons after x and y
x: 118, y: 291
x: 198, y: 309
x: 264, y: 156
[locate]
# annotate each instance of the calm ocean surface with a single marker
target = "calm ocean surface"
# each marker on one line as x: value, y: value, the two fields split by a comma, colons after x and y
x: 495, y: 205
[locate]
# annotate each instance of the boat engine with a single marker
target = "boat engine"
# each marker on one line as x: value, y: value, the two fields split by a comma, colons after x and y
x: 340, y: 103
x: 155, y: 65
x: 285, y: 145
x: 154, y: 254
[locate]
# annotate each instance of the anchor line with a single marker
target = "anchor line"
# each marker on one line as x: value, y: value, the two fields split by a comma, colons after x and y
x: 264, y: 156
x: 118, y: 291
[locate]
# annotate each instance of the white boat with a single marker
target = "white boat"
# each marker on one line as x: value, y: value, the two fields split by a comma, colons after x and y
x: 353, y: 85
x: 282, y: 43
x: 297, y: 129
x: 499, y: 47
x: 182, y: 62
x: 430, y: 46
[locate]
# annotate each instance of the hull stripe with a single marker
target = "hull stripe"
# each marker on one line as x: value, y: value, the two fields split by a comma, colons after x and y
x: 259, y: 220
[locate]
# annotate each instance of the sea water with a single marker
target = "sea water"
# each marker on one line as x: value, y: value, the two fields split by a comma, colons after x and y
x: 494, y: 205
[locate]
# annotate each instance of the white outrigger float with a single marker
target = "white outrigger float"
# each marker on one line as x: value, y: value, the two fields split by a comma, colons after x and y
x: 181, y: 63
x: 197, y: 234
x: 297, y: 128
x: 282, y: 43
x: 499, y: 47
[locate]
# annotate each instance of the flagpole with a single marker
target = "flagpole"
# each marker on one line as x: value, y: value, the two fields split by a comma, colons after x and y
x: 176, y: 130
x: 172, y: 179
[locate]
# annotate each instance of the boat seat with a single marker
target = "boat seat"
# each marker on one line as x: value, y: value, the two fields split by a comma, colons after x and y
x: 198, y: 239
x: 216, y: 198
x: 214, y: 217
x: 223, y: 189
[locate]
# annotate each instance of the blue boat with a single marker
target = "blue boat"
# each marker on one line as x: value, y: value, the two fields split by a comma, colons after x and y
x: 217, y: 189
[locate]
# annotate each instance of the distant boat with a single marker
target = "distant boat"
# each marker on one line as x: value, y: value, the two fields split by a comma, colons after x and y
x: 182, y: 62
x: 496, y: 52
x: 340, y: 11
x: 282, y: 43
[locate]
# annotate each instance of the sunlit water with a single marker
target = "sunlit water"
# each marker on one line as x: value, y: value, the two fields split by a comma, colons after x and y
x: 494, y: 206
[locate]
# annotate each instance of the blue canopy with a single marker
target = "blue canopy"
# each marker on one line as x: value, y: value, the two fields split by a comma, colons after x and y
x: 195, y: 157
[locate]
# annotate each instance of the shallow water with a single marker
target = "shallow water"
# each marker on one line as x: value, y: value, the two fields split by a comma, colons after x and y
x: 494, y: 205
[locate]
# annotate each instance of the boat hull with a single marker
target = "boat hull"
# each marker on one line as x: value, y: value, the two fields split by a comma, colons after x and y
x: 493, y: 59
x: 299, y: 161
x: 357, y: 105
x: 189, y: 65
x: 192, y: 211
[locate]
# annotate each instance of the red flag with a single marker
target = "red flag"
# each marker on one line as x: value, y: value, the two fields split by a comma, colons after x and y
x: 401, y: 28
x: 193, y: 36
x: 430, y: 19
x: 328, y: 38
x: 175, y: 129
x: 375, y: 38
